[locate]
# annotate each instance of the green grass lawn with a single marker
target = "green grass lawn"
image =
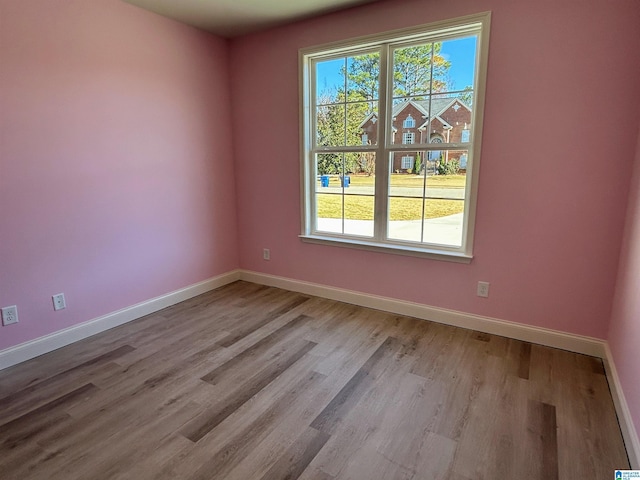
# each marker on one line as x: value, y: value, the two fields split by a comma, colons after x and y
x: 358, y: 207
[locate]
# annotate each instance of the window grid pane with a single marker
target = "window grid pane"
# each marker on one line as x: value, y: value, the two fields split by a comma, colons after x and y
x: 426, y: 200
x: 345, y: 193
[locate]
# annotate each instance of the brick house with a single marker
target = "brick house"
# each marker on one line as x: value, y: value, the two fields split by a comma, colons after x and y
x: 450, y: 123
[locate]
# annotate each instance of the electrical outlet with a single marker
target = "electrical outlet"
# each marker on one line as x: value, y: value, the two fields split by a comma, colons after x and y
x: 266, y: 254
x: 483, y: 289
x: 59, y: 302
x: 9, y: 315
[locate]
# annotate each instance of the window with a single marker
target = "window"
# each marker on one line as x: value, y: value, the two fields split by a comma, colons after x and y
x: 417, y: 197
x: 407, y: 162
x: 435, y: 154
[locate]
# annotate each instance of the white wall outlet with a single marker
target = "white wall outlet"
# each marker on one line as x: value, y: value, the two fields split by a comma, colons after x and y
x: 9, y: 315
x: 483, y: 289
x: 266, y: 254
x: 59, y: 302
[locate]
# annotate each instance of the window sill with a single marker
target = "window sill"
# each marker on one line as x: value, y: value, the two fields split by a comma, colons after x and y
x: 434, y: 254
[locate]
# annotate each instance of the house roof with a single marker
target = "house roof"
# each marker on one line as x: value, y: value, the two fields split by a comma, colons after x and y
x: 438, y: 107
x: 444, y: 123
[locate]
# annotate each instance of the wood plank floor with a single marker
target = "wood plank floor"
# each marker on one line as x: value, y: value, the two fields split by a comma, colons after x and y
x: 251, y: 382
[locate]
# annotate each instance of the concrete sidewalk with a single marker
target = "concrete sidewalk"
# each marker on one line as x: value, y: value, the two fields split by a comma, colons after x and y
x: 443, y: 230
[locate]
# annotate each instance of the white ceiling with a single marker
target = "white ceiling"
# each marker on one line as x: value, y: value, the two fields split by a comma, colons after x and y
x: 230, y: 18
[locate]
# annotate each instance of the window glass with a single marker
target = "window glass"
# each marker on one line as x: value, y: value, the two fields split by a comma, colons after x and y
x: 392, y: 164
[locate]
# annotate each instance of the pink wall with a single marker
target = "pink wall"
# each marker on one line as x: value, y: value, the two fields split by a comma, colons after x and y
x: 118, y: 184
x: 624, y: 334
x: 560, y: 127
x: 116, y: 174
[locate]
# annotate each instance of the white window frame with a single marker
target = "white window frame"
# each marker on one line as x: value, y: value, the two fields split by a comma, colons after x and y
x: 408, y: 159
x: 408, y: 138
x: 478, y: 24
x: 409, y: 122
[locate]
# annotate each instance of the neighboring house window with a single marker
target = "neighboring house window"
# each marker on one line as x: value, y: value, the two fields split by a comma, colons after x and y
x: 408, y: 138
x: 388, y: 207
x: 435, y: 154
x: 407, y: 163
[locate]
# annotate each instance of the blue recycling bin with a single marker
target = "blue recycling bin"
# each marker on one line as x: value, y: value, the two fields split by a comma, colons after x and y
x: 346, y: 180
x: 324, y: 180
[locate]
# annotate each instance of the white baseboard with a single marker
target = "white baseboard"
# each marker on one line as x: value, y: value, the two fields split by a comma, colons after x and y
x: 552, y: 338
x: 627, y: 426
x: 543, y: 336
x: 39, y: 346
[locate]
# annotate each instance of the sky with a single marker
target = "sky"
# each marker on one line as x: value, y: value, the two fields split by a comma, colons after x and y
x: 460, y: 52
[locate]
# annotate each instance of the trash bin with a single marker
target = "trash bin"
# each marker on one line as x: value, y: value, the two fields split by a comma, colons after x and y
x: 346, y: 180
x: 324, y: 180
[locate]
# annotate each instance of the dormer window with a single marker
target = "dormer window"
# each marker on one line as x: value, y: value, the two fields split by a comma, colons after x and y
x: 409, y: 122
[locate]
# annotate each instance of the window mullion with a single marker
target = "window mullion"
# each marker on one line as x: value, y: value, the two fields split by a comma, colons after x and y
x: 382, y: 156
